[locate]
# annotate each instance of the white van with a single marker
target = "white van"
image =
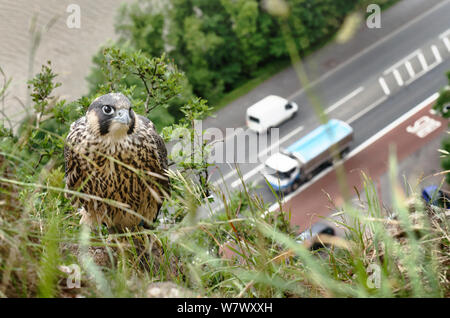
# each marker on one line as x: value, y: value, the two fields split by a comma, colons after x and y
x: 269, y: 112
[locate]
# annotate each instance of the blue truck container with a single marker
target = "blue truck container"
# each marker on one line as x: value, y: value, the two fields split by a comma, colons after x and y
x: 286, y: 170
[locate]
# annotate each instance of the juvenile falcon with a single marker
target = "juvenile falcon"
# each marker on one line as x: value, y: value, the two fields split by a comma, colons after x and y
x: 115, y: 154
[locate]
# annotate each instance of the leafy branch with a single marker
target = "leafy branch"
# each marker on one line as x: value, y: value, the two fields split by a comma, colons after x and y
x: 160, y: 77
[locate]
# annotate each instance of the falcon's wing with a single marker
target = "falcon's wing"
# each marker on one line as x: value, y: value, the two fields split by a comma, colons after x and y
x: 67, y: 159
x: 160, y: 145
x: 161, y: 152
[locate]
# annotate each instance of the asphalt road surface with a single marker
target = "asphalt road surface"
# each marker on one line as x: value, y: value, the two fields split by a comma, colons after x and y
x: 369, y: 91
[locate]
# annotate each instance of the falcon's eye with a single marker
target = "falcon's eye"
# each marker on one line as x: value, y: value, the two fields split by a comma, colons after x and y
x: 108, y: 110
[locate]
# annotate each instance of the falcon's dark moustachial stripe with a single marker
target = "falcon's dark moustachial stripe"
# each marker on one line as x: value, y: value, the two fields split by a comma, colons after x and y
x: 109, y: 133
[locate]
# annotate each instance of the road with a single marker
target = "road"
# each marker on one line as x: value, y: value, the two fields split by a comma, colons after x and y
x: 408, y: 134
x: 369, y: 91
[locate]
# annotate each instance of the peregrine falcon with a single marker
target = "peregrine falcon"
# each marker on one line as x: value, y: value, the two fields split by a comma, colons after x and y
x: 115, y: 154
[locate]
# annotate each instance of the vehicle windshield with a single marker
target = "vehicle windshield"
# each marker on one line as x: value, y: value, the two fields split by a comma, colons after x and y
x: 254, y: 119
x: 277, y: 174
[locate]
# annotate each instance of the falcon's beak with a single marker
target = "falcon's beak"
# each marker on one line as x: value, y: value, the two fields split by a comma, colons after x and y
x: 122, y: 117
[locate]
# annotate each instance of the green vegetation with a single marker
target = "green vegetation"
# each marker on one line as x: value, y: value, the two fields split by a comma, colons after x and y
x: 445, y: 161
x: 443, y: 107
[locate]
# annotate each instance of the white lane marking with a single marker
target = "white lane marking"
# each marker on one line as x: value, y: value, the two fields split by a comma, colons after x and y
x: 444, y: 34
x: 398, y: 77
x: 225, y: 177
x: 402, y: 61
x: 436, y: 53
x: 234, y: 134
x: 384, y: 86
x: 282, y: 140
x: 366, y: 110
x: 224, y: 142
x: 262, y: 153
x: 363, y: 146
x: 422, y: 61
x: 423, y: 72
x: 344, y: 100
x: 248, y: 175
x: 254, y: 171
x: 371, y: 47
x: 444, y: 37
x: 447, y: 43
x: 410, y: 69
x: 221, y: 144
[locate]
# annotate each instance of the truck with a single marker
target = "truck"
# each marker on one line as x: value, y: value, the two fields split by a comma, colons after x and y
x: 298, y: 163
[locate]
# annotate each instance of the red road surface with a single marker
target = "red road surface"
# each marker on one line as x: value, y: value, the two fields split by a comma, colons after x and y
x: 373, y: 160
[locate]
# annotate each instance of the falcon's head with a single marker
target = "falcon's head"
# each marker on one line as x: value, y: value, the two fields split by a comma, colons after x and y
x: 110, y: 116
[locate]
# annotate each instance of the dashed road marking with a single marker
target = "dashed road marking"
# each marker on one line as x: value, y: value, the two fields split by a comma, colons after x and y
x: 436, y: 53
x: 344, y: 100
x: 248, y: 175
x: 447, y: 43
x: 398, y: 77
x: 384, y: 86
x: 422, y: 61
x: 402, y: 61
x: 410, y: 69
x: 444, y: 37
x: 261, y: 153
x: 282, y: 140
x: 367, y: 109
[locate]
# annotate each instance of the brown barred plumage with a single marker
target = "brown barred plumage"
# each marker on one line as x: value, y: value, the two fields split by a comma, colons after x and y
x: 117, y: 156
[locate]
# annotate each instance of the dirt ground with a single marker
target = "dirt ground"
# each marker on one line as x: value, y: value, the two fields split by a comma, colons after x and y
x: 69, y: 49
